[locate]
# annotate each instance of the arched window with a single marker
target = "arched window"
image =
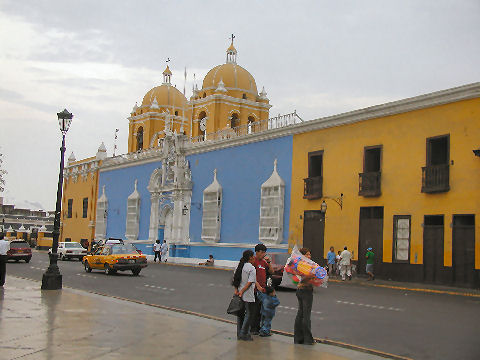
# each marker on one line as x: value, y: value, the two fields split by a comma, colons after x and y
x: 176, y: 113
x: 250, y: 125
x: 244, y: 96
x: 204, y: 94
x: 234, y: 121
x: 202, y: 125
x: 140, y: 138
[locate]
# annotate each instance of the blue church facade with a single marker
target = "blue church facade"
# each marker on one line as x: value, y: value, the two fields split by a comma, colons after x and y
x: 240, y: 170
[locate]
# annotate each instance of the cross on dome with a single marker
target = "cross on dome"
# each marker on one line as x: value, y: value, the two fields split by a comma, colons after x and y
x: 232, y: 53
x: 167, y: 74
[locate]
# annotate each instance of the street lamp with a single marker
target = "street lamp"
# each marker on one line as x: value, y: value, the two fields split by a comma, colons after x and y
x: 52, y: 279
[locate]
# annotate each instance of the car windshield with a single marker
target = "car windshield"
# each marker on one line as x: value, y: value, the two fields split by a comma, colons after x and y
x: 124, y: 249
x: 73, y: 246
x: 17, y: 245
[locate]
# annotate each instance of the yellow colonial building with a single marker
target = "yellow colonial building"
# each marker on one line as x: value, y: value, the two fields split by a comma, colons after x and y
x: 80, y: 193
x: 399, y: 177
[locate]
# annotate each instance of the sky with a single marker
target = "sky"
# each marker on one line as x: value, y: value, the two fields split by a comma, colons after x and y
x: 97, y: 58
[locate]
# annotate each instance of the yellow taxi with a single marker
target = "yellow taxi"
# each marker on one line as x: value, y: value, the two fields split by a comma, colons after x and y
x: 115, y: 257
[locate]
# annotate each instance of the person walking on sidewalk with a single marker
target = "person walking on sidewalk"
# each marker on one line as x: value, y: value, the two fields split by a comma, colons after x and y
x: 4, y: 247
x: 302, y: 333
x: 262, y: 267
x: 157, y: 247
x: 331, y: 258
x: 370, y: 261
x: 345, y: 264
x: 164, y: 251
x: 244, y: 280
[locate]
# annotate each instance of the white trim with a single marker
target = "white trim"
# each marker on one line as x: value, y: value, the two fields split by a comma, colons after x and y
x: 196, y: 261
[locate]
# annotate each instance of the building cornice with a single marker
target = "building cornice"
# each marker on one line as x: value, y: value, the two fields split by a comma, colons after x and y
x: 230, y: 100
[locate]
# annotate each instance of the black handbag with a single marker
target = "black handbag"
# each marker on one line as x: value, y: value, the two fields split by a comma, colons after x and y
x: 236, y: 306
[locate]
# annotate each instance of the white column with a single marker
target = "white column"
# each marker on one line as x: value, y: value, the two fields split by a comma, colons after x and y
x: 153, y: 228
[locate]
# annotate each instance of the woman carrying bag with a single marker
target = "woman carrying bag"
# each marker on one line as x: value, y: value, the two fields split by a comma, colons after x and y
x: 243, y: 278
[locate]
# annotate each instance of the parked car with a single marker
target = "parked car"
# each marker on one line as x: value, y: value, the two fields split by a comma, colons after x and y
x: 19, y: 250
x: 70, y: 250
x: 278, y: 263
x: 115, y: 257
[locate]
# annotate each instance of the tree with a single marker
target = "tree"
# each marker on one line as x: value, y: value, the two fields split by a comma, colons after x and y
x: 2, y: 173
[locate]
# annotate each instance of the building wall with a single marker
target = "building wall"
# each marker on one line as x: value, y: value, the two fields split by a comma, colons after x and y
x: 403, y: 137
x: 77, y: 187
x: 119, y: 184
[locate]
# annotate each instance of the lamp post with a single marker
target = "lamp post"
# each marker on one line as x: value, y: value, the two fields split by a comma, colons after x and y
x: 52, y: 279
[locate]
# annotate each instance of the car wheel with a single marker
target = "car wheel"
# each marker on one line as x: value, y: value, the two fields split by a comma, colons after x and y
x: 109, y: 270
x: 87, y: 267
x: 27, y: 260
x: 135, y: 272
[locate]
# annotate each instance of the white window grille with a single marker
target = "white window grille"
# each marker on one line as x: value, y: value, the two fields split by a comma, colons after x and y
x: 101, y: 216
x: 272, y: 208
x: 212, y: 211
x: 133, y: 214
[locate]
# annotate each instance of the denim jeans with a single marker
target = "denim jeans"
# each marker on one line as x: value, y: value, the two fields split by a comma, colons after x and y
x: 256, y: 318
x: 266, y: 324
x: 244, y: 322
x: 303, y: 325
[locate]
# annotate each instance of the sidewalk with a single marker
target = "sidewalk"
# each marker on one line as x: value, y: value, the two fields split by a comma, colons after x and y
x: 73, y: 324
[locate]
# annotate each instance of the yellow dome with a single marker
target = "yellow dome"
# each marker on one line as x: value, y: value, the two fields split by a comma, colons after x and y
x: 167, y: 71
x: 165, y: 95
x: 233, y: 76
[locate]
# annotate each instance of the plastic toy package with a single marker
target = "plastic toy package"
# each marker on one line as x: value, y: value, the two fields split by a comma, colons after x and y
x: 298, y: 266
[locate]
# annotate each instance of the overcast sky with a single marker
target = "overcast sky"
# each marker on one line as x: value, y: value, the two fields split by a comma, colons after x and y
x: 97, y: 58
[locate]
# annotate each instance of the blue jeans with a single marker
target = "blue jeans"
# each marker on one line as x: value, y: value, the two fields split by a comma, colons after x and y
x: 244, y: 322
x: 266, y: 324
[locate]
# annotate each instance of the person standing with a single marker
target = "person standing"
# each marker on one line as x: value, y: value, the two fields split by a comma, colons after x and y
x: 244, y: 280
x: 164, y: 251
x: 331, y: 258
x: 4, y: 247
x: 157, y: 247
x: 370, y: 256
x: 302, y: 333
x: 345, y: 264
x: 262, y: 267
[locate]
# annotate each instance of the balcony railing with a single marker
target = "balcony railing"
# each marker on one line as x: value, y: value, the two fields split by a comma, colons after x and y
x: 435, y: 178
x: 313, y: 187
x: 370, y: 184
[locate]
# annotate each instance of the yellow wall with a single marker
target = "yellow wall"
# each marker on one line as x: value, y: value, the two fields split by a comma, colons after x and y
x: 77, y: 227
x: 403, y: 138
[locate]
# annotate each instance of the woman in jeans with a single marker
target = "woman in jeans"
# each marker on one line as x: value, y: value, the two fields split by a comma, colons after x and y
x: 303, y: 327
x: 245, y: 275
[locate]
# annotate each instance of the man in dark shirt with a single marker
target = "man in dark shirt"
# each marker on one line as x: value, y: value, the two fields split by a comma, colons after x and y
x: 262, y: 266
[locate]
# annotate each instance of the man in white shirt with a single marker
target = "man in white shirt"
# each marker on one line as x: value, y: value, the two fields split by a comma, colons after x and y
x: 4, y: 247
x: 157, y: 247
x: 345, y: 264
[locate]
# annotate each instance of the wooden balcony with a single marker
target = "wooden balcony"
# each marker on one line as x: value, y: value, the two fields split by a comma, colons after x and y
x: 370, y: 184
x: 435, y: 178
x: 313, y: 188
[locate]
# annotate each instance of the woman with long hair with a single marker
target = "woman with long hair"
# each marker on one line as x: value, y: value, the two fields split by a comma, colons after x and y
x: 303, y: 326
x: 245, y: 275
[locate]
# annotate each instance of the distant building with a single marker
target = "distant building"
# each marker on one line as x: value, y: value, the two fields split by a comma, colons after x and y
x: 24, y: 223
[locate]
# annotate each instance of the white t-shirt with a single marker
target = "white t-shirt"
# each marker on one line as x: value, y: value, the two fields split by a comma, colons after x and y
x: 164, y: 248
x: 157, y: 247
x: 346, y: 257
x: 4, y: 247
x: 249, y: 274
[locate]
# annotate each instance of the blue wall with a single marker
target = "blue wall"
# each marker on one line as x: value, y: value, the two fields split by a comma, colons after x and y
x: 241, y: 172
x: 119, y: 184
x: 218, y: 252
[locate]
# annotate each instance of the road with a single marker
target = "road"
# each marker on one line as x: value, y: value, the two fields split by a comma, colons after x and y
x: 412, y: 324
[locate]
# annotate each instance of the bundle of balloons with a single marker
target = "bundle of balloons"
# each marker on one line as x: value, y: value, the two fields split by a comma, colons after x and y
x: 299, y: 266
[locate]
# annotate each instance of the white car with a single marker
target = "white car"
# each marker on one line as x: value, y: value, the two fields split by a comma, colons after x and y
x: 70, y: 250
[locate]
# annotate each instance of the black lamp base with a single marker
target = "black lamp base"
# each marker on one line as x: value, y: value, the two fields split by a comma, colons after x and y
x: 52, y: 279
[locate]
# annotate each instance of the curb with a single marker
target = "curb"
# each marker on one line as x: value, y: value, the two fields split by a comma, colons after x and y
x: 211, y: 317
